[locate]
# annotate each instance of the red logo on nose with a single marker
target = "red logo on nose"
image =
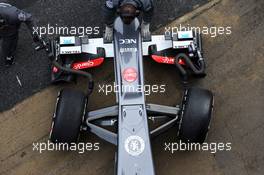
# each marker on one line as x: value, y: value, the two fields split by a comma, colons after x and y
x: 130, y: 75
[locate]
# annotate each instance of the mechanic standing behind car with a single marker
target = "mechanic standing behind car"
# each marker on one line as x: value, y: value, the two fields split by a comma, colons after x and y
x: 10, y: 21
x: 128, y: 10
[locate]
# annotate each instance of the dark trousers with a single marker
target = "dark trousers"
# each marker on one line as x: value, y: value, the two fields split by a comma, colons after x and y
x: 109, y: 15
x: 9, y: 45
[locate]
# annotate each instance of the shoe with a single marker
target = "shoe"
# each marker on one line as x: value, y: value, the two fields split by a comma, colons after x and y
x: 145, y: 31
x: 108, y: 36
x: 9, y: 61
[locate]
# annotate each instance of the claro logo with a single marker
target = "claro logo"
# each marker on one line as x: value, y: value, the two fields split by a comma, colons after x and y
x: 127, y: 41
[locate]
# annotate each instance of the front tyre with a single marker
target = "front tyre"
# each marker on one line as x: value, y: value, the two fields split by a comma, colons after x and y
x: 196, y: 115
x: 68, y: 116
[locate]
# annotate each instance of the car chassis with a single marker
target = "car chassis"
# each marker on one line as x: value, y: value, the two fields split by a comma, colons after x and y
x: 131, y: 114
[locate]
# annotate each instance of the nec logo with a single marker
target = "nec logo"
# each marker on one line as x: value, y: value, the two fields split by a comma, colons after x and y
x: 127, y: 41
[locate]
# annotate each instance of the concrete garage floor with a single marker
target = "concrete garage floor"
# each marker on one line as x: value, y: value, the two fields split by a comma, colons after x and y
x: 235, y: 75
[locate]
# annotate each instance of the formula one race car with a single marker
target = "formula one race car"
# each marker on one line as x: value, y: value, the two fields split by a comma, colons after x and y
x: 131, y: 114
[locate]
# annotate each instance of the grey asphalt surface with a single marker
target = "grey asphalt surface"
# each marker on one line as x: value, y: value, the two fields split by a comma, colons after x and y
x: 33, y: 69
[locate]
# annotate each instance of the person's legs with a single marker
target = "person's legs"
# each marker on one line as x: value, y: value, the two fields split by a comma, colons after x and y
x: 147, y: 15
x: 145, y: 27
x: 109, y: 13
x: 9, y: 46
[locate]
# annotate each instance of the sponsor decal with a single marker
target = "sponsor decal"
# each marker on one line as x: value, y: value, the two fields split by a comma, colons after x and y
x: 166, y: 60
x: 134, y: 145
x: 126, y: 50
x: 71, y: 50
x: 67, y: 40
x: 88, y: 64
x: 127, y: 41
x: 182, y: 44
x: 130, y: 75
x: 163, y: 59
x: 185, y: 35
